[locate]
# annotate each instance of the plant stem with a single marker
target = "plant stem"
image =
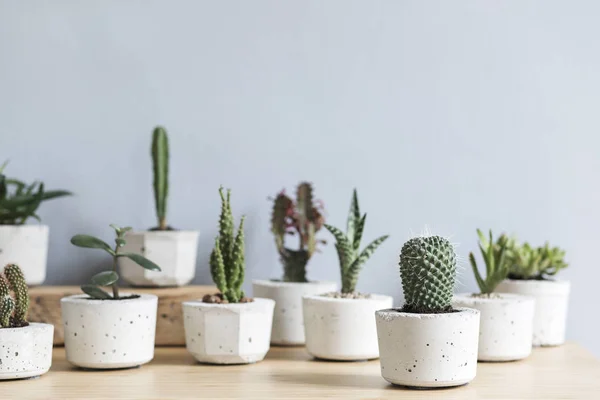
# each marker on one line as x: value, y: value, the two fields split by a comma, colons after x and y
x: 115, y: 287
x: 162, y: 223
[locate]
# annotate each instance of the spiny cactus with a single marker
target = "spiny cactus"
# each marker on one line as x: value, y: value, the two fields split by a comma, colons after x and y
x: 109, y: 278
x: 19, y: 201
x: 304, y: 219
x: 497, y: 256
x: 227, y: 262
x: 348, y: 245
x: 13, y: 311
x: 536, y: 263
x: 428, y: 272
x: 160, y: 163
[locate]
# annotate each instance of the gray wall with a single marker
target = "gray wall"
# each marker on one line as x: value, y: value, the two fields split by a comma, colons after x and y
x: 446, y: 115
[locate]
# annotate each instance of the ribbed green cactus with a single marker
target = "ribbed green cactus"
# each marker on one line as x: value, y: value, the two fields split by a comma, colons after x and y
x: 497, y: 256
x: 428, y: 272
x: 348, y: 245
x: 227, y: 262
x: 304, y: 219
x: 160, y: 163
x: 13, y: 312
x: 541, y: 262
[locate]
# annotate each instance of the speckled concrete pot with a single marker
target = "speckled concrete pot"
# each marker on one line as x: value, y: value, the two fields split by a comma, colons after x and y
x: 506, y: 324
x: 288, y: 325
x: 342, y: 329
x: 174, y: 251
x: 109, y: 334
x: 228, y: 333
x: 428, y: 350
x: 26, y: 246
x: 26, y: 351
x: 551, y: 305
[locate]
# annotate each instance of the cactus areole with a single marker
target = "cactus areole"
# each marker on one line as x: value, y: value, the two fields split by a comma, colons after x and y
x: 14, y: 298
x: 428, y: 272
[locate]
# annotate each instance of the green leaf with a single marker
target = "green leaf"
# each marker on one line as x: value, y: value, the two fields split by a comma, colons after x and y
x: 120, y: 242
x: 105, y: 278
x: 345, y: 251
x: 4, y: 164
x: 353, y: 217
x: 478, y: 278
x: 141, y: 261
x: 53, y: 194
x: 95, y: 292
x: 360, y: 228
x: 91, y: 242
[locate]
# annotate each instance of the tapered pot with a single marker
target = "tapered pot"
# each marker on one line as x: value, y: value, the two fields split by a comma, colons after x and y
x: 233, y: 333
x: 506, y: 325
x: 25, y: 352
x: 551, y: 306
x: 428, y: 350
x: 174, y: 251
x: 288, y: 320
x: 109, y: 334
x: 341, y: 328
x: 26, y: 246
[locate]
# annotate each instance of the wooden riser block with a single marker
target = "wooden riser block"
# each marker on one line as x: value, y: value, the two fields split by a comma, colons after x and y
x: 45, y: 307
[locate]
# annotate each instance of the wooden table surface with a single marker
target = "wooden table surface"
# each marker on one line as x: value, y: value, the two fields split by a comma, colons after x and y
x: 567, y: 372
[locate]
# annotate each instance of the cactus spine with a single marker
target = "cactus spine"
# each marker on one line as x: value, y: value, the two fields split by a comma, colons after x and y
x: 428, y: 272
x: 227, y: 258
x: 13, y: 311
x: 348, y: 246
x: 304, y: 219
x: 160, y: 162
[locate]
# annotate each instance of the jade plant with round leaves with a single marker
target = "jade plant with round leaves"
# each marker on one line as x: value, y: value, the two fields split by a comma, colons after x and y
x: 109, y: 278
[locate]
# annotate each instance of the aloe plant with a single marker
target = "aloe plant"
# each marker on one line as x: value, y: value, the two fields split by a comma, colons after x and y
x: 348, y: 246
x: 110, y: 278
x: 20, y: 201
x: 160, y: 167
x: 14, y: 298
x: 497, y: 256
x: 536, y: 262
x: 227, y: 261
x: 302, y: 219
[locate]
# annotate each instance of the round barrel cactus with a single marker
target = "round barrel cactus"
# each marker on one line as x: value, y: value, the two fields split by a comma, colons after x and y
x: 428, y: 272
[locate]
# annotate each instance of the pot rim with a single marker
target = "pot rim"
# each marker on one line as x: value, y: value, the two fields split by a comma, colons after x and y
x: 83, y: 298
x: 510, y: 298
x: 236, y: 306
x: 276, y: 283
x: 320, y: 298
x: 181, y: 232
x: 31, y: 326
x: 537, y: 281
x: 25, y: 226
x: 392, y: 313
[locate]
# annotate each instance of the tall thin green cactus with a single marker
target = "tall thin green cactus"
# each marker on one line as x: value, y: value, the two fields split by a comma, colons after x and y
x: 13, y: 311
x: 348, y: 245
x: 428, y: 272
x: 160, y: 162
x: 227, y: 261
x: 497, y: 258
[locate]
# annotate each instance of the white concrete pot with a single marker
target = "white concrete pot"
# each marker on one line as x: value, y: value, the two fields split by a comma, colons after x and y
x: 506, y: 324
x: 428, y: 350
x: 551, y: 304
x: 174, y: 252
x: 237, y: 333
x: 288, y: 325
x: 26, y: 246
x: 26, y: 351
x: 342, y: 329
x: 108, y: 334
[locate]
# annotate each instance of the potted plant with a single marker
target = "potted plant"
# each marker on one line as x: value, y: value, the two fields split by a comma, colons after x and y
x: 299, y: 220
x: 428, y: 343
x: 506, y: 319
x: 25, y: 245
x: 532, y: 273
x: 341, y: 325
x: 228, y: 328
x: 26, y: 349
x: 174, y: 250
x: 109, y: 330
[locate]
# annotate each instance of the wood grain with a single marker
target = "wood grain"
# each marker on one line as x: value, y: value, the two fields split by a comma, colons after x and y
x: 567, y: 372
x: 45, y: 307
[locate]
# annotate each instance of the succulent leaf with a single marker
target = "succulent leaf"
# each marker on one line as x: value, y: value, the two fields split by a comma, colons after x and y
x: 141, y: 261
x: 95, y: 292
x: 160, y: 163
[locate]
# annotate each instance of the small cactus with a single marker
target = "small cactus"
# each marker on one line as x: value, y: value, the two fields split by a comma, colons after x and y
x: 348, y: 246
x: 541, y: 262
x: 497, y: 257
x: 302, y: 219
x: 160, y: 163
x: 227, y: 258
x: 428, y: 272
x: 13, y: 311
